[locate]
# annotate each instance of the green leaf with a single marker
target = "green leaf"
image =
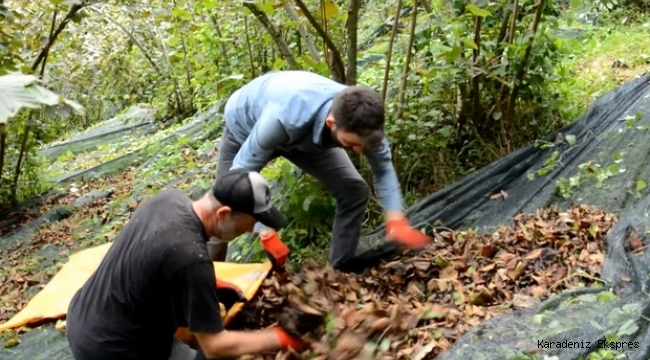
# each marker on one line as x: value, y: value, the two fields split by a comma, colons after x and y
x: 307, y: 202
x: 18, y: 91
x: 640, y: 185
x: 432, y: 314
x: 576, y: 3
x: 628, y: 328
x: 606, y: 296
x: 173, y: 42
x: 279, y: 62
x: 596, y: 325
x: 469, y: 43
x: 181, y: 13
x: 477, y: 10
x: 454, y: 54
x: 267, y: 7
x: 309, y: 61
x: 384, y: 345
x: 617, y: 155
x: 571, y: 139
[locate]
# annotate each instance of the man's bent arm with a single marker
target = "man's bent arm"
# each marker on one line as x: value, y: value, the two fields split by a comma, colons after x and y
x: 232, y: 344
x: 264, y: 139
x: 267, y: 134
x: 197, y: 285
x: 386, y: 182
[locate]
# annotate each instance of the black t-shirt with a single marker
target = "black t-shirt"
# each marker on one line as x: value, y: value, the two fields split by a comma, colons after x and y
x: 157, y: 276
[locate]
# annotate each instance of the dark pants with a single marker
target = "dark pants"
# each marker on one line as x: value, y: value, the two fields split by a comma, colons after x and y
x: 333, y: 169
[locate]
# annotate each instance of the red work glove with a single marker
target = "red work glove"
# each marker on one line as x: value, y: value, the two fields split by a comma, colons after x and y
x: 288, y: 340
x: 229, y: 293
x: 275, y: 249
x: 401, y: 232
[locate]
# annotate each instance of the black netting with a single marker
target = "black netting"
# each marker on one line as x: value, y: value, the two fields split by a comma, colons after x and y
x: 601, y: 160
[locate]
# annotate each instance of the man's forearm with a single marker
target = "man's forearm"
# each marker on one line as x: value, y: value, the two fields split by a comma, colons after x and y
x: 229, y: 344
x: 386, y: 182
x: 393, y: 215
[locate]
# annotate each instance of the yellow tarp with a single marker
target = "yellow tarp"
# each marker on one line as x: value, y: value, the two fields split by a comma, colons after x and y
x: 52, y: 302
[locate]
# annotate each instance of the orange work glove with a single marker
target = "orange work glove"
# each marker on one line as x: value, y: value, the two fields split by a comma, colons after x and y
x: 401, y: 232
x: 275, y: 249
x: 287, y: 340
x: 229, y: 293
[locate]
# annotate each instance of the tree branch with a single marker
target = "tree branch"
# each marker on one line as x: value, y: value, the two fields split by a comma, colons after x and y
x: 407, y: 60
x: 476, y: 77
x: 352, y: 25
x: 275, y: 34
x: 3, y: 137
x: 391, y: 40
x: 524, y: 61
x: 338, y: 69
x: 224, y: 50
x: 47, y: 53
x: 179, y: 102
x: 250, y: 49
x: 45, y: 50
x: 311, y: 47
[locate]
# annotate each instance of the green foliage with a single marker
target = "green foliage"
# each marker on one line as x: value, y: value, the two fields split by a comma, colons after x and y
x: 19, y: 91
x: 616, y: 5
x: 306, y: 204
x: 473, y: 93
x: 457, y: 118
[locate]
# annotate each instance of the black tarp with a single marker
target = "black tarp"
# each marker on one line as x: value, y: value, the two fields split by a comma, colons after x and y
x: 601, y: 160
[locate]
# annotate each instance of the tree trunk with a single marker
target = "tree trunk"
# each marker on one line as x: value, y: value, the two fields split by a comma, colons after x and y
x: 334, y: 56
x: 407, y: 60
x: 352, y: 26
x: 311, y: 48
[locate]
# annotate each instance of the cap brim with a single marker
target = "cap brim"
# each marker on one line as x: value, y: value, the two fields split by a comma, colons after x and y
x: 272, y: 218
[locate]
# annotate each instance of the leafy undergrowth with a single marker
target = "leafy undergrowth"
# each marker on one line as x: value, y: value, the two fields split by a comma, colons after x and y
x: 605, y: 59
x: 418, y: 306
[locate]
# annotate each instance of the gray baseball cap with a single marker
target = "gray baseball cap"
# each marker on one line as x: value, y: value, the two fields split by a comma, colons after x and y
x: 247, y: 192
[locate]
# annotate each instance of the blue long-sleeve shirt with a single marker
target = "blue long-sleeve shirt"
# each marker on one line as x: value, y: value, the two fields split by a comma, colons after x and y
x: 286, y: 110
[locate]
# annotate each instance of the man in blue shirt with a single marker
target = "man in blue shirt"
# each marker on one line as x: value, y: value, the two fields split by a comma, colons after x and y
x: 310, y: 120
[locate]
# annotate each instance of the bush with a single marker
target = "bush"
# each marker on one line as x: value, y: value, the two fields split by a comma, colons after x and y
x: 482, y: 90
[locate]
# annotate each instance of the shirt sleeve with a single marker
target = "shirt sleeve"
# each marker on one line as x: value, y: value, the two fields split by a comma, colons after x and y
x: 386, y: 182
x: 267, y: 134
x: 198, y: 300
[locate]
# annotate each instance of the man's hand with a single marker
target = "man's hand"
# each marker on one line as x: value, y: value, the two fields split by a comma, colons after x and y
x: 295, y: 323
x: 229, y: 294
x: 288, y: 340
x: 275, y: 249
x: 400, y: 231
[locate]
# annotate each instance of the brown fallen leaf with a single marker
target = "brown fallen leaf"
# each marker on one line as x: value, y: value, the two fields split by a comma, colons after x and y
x: 635, y: 243
x: 534, y: 255
x: 499, y: 195
x: 448, y: 273
x: 515, y: 273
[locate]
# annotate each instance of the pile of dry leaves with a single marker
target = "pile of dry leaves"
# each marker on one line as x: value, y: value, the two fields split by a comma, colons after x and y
x: 418, y: 306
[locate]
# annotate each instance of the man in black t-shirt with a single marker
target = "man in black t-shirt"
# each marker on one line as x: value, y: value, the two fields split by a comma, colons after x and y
x: 157, y: 276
